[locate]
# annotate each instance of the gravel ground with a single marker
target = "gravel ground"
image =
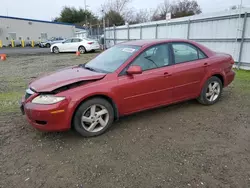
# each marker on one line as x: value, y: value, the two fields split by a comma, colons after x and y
x: 24, y: 51
x: 183, y: 145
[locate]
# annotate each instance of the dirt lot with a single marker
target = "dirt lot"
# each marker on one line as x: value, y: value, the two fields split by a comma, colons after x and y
x: 183, y: 145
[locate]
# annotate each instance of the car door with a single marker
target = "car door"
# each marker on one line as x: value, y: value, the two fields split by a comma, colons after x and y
x: 65, y: 45
x: 74, y: 45
x: 151, y: 88
x: 189, y: 70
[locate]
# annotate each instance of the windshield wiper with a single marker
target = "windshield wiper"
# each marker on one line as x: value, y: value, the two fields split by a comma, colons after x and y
x: 91, y: 69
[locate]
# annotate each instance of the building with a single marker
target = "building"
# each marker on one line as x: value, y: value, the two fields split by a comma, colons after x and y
x: 18, y: 29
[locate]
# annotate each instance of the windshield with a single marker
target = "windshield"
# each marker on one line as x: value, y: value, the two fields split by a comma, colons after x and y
x: 111, y: 59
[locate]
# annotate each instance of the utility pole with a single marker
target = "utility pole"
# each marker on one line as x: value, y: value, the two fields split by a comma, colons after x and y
x: 104, y: 35
x: 85, y: 7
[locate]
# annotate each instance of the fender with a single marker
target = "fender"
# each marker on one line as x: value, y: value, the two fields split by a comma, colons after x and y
x: 74, y: 105
x: 211, y: 73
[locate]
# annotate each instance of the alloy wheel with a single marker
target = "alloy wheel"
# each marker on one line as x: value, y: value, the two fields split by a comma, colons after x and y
x: 82, y: 50
x: 56, y: 50
x: 213, y: 91
x: 95, y: 118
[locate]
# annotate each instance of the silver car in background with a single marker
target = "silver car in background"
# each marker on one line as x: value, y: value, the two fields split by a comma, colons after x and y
x: 51, y: 41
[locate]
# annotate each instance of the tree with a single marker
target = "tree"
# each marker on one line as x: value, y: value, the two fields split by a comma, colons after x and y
x: 235, y: 7
x: 78, y: 17
x: 115, y: 5
x: 119, y: 7
x: 180, y: 8
x: 114, y: 18
x: 161, y: 11
x: 185, y: 8
x: 141, y: 16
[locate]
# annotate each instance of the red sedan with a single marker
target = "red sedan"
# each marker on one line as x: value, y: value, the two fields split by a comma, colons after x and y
x: 127, y: 78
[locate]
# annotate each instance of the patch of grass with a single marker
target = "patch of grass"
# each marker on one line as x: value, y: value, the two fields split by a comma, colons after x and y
x: 242, y: 81
x: 9, y: 101
x: 243, y: 75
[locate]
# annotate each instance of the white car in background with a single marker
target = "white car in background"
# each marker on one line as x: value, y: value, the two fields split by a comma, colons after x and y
x: 75, y: 44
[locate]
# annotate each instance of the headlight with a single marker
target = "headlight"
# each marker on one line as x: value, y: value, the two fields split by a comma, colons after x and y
x: 47, y: 99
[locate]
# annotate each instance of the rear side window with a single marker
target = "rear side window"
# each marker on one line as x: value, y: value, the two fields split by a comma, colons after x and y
x: 184, y: 52
x: 76, y: 40
x: 201, y: 54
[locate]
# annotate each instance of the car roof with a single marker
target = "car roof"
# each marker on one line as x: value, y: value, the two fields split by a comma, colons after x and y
x: 152, y: 41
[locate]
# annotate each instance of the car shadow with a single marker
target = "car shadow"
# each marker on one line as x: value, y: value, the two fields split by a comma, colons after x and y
x: 153, y: 113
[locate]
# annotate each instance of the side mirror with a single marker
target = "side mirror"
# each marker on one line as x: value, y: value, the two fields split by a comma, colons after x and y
x: 134, y: 69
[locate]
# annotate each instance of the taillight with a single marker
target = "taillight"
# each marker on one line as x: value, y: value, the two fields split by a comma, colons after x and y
x: 232, y: 60
x: 90, y: 42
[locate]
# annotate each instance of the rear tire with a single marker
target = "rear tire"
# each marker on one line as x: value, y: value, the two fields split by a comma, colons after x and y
x: 211, y: 91
x: 47, y: 45
x: 93, y: 117
x: 82, y: 49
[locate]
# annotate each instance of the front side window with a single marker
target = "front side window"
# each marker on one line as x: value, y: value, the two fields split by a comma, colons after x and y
x: 154, y: 57
x: 111, y: 59
x: 184, y: 52
x: 68, y: 41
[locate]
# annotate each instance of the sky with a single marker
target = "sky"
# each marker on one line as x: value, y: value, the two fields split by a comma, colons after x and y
x: 48, y: 9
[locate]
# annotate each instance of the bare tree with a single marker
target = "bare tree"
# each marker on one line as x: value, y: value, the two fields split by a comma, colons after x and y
x: 119, y: 6
x: 185, y: 8
x: 235, y: 7
x: 141, y: 16
x: 177, y: 9
x: 161, y: 11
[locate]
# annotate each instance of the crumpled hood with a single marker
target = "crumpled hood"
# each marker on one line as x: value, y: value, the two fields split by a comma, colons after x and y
x: 64, y: 77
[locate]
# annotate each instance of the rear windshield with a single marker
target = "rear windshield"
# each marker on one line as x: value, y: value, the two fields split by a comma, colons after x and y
x: 111, y: 59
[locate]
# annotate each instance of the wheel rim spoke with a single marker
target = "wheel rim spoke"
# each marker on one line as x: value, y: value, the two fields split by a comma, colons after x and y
x: 92, y: 110
x: 210, y: 87
x: 102, y: 112
x: 92, y: 126
x: 208, y: 94
x: 215, y: 85
x: 102, y: 122
x: 212, y: 96
x: 86, y: 119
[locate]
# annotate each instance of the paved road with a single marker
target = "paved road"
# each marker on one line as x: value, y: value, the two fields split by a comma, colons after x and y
x: 24, y: 51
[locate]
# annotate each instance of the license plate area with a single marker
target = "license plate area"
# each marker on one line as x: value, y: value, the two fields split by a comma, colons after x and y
x: 22, y: 109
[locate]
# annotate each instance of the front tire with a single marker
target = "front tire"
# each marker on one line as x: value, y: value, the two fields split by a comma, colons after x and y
x: 47, y: 45
x: 93, y: 117
x: 55, y: 50
x: 211, y: 91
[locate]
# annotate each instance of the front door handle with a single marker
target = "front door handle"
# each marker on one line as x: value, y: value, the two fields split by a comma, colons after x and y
x: 166, y: 74
x: 205, y: 64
